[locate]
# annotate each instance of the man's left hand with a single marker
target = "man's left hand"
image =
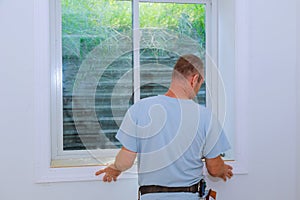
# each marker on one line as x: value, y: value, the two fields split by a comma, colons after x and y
x: 111, y: 173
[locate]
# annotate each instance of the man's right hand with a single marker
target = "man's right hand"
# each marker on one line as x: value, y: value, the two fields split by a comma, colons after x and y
x: 227, y: 172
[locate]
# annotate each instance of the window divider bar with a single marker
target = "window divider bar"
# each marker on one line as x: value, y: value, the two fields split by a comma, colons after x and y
x: 215, y: 58
x: 136, y: 50
x: 208, y: 73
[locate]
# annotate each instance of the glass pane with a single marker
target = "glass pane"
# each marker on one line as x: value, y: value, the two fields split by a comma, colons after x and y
x: 96, y: 54
x: 167, y: 31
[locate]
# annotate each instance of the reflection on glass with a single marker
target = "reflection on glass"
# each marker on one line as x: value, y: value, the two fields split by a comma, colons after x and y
x: 97, y: 62
x: 90, y: 32
x: 169, y: 30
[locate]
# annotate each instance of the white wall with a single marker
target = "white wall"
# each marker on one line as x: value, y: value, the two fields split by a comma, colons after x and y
x: 16, y: 118
x: 270, y: 112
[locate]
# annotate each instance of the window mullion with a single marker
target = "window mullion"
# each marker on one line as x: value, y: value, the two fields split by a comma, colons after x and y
x: 136, y: 49
x: 212, y: 56
x: 215, y: 61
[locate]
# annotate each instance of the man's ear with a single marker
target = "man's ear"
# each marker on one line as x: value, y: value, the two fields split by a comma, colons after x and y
x: 201, y: 80
x: 194, y: 80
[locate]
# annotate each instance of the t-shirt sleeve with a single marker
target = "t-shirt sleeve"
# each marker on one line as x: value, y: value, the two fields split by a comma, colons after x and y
x: 222, y: 145
x: 127, y: 131
x: 216, y: 141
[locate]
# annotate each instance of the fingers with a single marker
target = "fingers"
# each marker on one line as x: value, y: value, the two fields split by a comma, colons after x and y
x: 229, y: 167
x: 230, y: 173
x: 227, y: 172
x: 110, y: 175
x: 99, y: 172
x: 109, y: 178
x: 224, y: 178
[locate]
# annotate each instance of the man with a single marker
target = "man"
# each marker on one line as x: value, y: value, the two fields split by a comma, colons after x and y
x: 171, y: 134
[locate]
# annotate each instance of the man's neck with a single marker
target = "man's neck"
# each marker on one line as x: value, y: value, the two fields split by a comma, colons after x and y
x: 174, y: 93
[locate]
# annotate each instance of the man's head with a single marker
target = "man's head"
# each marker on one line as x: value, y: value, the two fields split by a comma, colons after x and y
x: 188, y: 74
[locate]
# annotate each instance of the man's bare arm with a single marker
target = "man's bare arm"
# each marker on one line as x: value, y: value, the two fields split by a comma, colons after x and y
x: 123, y: 161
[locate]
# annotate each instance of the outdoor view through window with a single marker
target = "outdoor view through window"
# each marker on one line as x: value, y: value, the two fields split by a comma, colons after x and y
x: 98, y: 62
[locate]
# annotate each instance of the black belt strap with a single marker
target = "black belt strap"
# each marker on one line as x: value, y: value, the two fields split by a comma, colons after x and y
x: 158, y: 189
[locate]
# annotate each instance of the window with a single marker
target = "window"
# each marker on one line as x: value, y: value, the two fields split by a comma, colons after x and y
x: 231, y: 23
x: 109, y: 54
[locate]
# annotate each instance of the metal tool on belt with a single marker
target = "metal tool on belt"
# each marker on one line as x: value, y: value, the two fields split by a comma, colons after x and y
x: 204, y: 193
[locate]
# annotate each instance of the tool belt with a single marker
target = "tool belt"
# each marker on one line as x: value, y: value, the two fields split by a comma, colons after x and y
x: 196, y: 188
x: 157, y: 189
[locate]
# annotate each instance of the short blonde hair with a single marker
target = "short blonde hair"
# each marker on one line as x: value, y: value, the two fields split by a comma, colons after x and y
x: 188, y: 65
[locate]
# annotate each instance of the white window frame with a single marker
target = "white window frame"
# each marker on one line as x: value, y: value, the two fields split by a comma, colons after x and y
x: 43, y: 94
x: 60, y: 157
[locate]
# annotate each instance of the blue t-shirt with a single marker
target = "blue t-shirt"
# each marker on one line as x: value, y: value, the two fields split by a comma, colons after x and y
x: 171, y: 136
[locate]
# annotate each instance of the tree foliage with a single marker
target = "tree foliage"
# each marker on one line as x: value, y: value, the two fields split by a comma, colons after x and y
x: 101, y: 17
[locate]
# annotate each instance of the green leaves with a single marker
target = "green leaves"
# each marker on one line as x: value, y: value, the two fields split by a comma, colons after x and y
x: 91, y: 17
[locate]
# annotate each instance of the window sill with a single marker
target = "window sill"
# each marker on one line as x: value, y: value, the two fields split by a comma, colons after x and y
x: 87, y: 173
x: 79, y: 162
x: 80, y: 173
